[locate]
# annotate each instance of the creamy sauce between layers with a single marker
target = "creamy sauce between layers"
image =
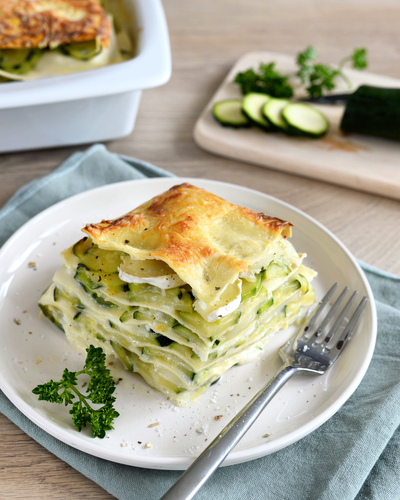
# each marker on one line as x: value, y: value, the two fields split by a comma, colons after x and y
x: 53, y: 63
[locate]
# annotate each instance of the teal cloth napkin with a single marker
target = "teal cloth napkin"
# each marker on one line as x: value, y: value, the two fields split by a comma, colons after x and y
x: 355, y: 455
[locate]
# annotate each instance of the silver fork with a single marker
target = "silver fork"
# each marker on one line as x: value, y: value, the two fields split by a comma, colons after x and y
x: 309, y: 350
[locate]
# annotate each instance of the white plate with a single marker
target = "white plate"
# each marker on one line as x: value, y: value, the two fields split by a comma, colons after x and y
x: 34, y: 351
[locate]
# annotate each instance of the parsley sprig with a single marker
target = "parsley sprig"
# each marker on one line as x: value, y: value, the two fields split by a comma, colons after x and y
x: 320, y: 77
x: 99, y: 392
x: 358, y: 59
x: 266, y: 80
x: 317, y: 77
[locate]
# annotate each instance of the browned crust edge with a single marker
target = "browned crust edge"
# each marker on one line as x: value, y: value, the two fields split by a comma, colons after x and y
x: 28, y: 24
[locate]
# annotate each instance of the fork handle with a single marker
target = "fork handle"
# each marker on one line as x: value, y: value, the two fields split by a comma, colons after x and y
x: 204, y: 466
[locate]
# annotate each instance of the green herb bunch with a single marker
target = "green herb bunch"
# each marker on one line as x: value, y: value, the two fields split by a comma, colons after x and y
x: 321, y: 77
x: 317, y: 77
x: 99, y: 392
x: 267, y: 81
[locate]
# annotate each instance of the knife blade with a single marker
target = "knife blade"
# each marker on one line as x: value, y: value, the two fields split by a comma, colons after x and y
x: 327, y: 99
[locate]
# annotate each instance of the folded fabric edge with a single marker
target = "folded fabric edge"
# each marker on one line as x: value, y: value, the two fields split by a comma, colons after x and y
x: 377, y: 271
x: 34, y: 186
x: 70, y: 164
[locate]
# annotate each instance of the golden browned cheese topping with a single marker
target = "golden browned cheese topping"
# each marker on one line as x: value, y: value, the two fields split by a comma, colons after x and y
x: 49, y: 23
x: 180, y: 225
x: 206, y: 240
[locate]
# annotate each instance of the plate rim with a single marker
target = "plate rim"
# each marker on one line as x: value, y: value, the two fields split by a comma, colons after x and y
x: 180, y: 463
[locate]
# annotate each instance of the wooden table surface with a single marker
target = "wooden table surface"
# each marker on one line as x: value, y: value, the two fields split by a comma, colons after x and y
x: 207, y: 37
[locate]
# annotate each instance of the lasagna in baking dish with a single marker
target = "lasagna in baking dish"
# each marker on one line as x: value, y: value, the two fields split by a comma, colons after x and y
x: 46, y: 37
x: 180, y: 289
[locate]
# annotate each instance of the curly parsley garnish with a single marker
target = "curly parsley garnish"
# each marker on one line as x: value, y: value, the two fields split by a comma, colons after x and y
x: 99, y: 391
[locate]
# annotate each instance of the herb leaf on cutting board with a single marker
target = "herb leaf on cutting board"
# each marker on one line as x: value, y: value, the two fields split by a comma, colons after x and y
x: 321, y: 77
x: 358, y: 59
x: 317, y: 77
x: 266, y: 81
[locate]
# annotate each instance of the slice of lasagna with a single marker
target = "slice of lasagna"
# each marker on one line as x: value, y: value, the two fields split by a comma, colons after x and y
x: 54, y: 36
x: 180, y: 289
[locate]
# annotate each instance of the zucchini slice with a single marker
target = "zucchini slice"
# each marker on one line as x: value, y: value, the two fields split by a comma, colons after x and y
x: 252, y: 106
x: 84, y: 279
x: 305, y: 286
x: 95, y: 258
x: 82, y: 50
x: 50, y: 312
x: 81, y: 247
x: 19, y: 61
x: 96, y: 279
x: 185, y: 333
x: 303, y: 119
x: 196, y: 321
x: 229, y: 113
x: 150, y: 315
x: 126, y: 316
x: 276, y: 270
x: 292, y: 310
x: 265, y: 306
x: 142, y: 294
x: 250, y: 288
x: 124, y: 355
x: 272, y: 110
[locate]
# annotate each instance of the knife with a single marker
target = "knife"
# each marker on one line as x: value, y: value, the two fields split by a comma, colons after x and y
x: 327, y: 99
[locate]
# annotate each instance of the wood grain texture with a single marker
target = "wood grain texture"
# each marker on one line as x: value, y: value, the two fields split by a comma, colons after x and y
x: 207, y: 37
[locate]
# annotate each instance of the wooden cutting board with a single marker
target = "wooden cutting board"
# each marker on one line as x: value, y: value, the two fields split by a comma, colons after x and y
x: 359, y: 162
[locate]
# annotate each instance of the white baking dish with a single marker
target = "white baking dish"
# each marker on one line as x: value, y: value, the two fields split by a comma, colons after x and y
x: 90, y: 106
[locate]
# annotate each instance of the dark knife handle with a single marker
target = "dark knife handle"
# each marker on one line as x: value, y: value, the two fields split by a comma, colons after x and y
x: 327, y: 99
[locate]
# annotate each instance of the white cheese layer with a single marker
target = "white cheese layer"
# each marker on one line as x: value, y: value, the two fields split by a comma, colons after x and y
x: 213, y: 315
x: 163, y: 282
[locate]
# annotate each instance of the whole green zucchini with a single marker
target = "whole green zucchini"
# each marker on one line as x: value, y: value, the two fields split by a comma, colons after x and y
x: 373, y: 111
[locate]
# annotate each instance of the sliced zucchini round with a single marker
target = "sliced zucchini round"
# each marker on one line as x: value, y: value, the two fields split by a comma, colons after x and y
x: 229, y: 113
x: 19, y: 61
x: 272, y: 110
x: 265, y: 306
x: 82, y: 50
x: 303, y: 119
x: 250, y: 288
x: 252, y: 106
x: 276, y: 270
x: 13, y: 57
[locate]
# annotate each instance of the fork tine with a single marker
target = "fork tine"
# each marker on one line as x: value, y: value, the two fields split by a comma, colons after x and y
x: 322, y: 304
x: 331, y: 312
x: 340, y: 318
x: 351, y: 324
